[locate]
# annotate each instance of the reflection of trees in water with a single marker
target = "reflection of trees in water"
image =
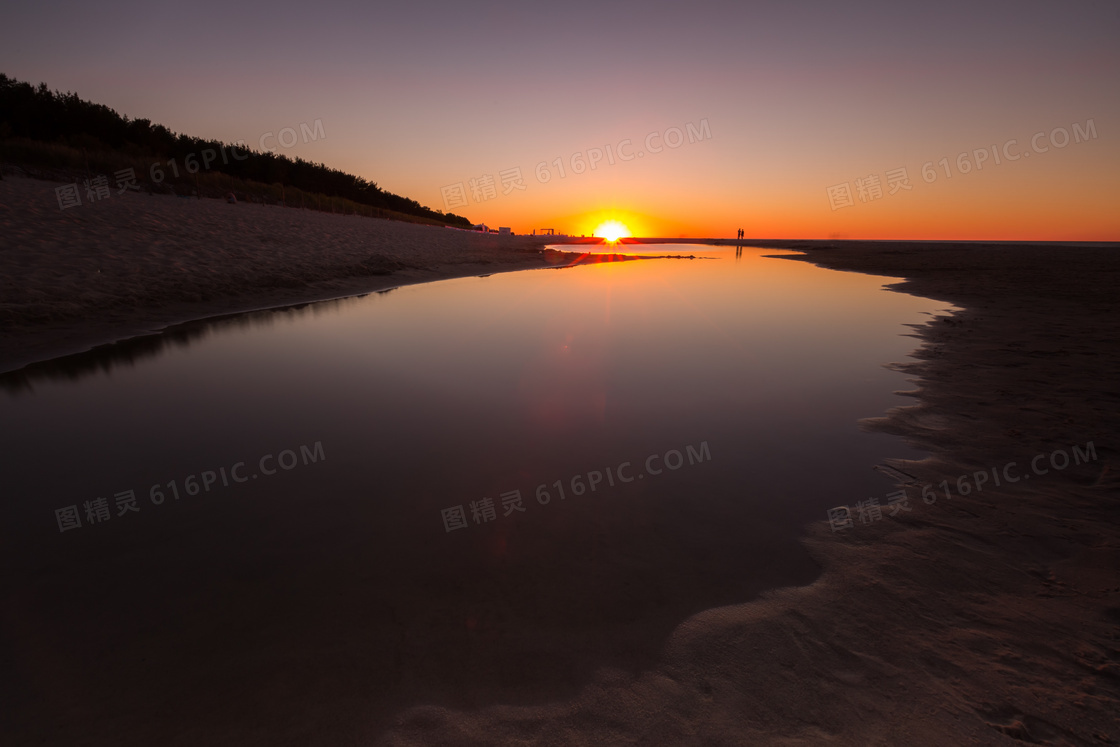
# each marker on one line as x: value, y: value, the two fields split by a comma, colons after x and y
x: 127, y: 353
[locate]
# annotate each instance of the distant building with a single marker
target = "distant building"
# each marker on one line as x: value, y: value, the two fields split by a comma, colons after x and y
x: 504, y: 231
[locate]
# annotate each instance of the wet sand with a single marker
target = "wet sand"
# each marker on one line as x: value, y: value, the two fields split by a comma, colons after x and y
x: 987, y: 619
x: 133, y: 264
x: 992, y: 618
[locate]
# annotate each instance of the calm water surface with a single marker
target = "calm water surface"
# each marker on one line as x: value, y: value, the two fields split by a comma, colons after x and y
x: 338, y: 589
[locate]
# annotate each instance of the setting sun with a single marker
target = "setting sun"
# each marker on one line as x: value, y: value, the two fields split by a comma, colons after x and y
x: 612, y: 231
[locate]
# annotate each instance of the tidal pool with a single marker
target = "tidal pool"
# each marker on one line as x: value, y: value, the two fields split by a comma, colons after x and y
x: 466, y: 492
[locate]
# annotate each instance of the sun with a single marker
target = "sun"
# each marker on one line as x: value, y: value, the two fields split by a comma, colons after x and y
x: 612, y: 231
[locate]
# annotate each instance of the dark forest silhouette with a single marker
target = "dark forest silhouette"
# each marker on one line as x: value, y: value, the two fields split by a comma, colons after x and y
x: 39, y: 115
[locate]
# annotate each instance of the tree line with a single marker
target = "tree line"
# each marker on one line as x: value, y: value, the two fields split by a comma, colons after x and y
x: 39, y: 114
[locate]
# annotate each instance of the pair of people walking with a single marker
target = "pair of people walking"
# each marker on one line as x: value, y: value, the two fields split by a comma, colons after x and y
x: 740, y: 235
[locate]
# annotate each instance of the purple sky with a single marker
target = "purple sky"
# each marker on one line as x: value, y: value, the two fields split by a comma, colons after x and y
x: 799, y: 96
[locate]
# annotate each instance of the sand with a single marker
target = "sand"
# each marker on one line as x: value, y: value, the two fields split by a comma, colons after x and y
x: 987, y: 619
x: 992, y: 618
x: 132, y: 263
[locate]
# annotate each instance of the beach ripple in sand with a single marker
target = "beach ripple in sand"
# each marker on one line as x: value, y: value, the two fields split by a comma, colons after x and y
x: 137, y: 258
x: 137, y: 250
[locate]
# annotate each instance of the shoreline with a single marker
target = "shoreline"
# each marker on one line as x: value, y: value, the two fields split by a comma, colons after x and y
x: 982, y: 619
x: 64, y: 341
x: 136, y: 265
x: 238, y: 259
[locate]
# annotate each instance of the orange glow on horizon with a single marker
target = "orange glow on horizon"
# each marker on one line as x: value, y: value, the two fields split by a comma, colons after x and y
x: 1060, y: 195
x: 612, y: 231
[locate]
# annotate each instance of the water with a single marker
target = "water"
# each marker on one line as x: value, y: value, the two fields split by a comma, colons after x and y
x: 336, y: 587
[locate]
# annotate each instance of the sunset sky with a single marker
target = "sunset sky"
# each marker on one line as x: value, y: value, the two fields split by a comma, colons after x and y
x: 798, y: 97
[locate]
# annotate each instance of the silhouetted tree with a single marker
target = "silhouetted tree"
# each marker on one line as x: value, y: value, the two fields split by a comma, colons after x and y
x: 37, y: 113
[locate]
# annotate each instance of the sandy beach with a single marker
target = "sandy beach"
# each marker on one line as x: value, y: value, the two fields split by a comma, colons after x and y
x: 991, y: 618
x: 987, y: 618
x: 135, y: 263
